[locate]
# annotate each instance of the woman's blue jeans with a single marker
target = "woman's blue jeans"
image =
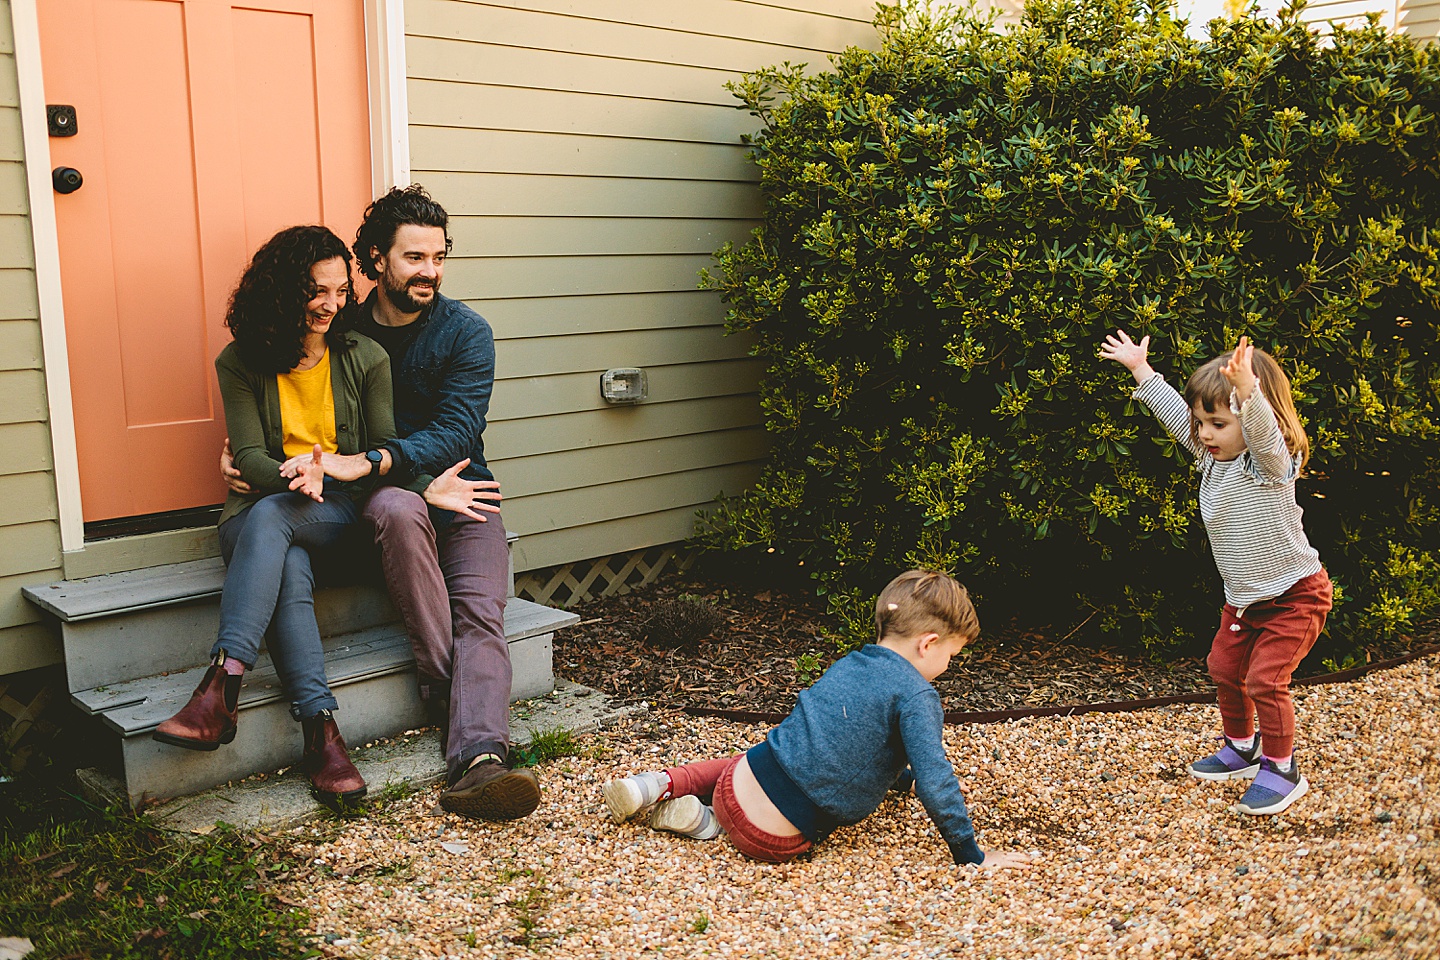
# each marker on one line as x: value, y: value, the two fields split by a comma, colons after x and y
x: 270, y: 583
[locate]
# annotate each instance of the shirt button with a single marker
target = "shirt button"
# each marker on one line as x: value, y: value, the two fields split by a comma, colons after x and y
x: 1234, y: 628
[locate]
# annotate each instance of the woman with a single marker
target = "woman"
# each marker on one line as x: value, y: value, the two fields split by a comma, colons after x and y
x: 294, y: 382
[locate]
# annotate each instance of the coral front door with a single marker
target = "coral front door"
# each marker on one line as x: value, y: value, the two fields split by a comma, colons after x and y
x: 200, y: 128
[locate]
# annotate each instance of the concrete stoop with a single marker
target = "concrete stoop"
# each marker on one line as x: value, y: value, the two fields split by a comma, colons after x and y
x: 136, y: 646
x: 411, y: 760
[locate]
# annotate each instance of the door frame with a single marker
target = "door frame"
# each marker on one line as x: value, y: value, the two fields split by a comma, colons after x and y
x: 389, y: 166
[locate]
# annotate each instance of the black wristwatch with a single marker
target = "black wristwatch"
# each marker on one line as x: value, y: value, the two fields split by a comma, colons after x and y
x: 375, y: 457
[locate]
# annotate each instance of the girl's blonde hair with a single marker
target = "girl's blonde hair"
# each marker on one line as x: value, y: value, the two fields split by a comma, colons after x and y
x: 1209, y: 388
x: 923, y: 601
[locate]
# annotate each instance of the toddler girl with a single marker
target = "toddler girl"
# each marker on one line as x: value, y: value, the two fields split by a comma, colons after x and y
x: 1237, y: 417
x: 870, y: 724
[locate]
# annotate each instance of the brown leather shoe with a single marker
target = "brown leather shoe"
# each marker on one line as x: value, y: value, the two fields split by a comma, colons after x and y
x: 327, y: 761
x: 209, y: 719
x: 488, y: 791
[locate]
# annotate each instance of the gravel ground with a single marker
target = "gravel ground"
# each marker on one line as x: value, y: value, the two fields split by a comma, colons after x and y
x: 1137, y: 858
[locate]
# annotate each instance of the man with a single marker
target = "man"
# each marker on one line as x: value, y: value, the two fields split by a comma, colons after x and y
x: 442, y: 543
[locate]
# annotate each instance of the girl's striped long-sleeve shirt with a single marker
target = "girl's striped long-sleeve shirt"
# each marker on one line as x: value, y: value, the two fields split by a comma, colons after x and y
x: 1248, y: 504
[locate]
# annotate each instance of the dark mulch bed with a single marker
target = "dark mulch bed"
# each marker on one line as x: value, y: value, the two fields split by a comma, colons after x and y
x: 767, y: 646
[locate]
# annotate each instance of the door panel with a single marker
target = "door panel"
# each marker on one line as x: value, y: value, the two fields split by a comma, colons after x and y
x: 203, y: 126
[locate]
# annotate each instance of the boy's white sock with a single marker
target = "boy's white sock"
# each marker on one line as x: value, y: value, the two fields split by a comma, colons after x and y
x: 1247, y: 744
x: 654, y: 784
x: 1284, y: 765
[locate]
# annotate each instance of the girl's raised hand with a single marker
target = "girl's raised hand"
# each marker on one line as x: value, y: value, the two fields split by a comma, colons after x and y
x: 1240, y: 371
x: 1131, y: 355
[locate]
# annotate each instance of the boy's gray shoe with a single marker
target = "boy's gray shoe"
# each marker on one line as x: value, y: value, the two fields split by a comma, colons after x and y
x: 1229, y: 762
x: 623, y: 798
x: 683, y: 815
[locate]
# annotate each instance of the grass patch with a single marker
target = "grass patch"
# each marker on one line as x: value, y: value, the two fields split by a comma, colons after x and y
x: 84, y: 882
x: 551, y: 744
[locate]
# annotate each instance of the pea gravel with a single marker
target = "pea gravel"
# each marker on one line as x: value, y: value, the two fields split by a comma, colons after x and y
x: 1137, y: 859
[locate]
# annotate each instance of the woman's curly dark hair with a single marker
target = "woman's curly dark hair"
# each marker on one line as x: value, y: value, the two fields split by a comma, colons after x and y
x: 267, y: 310
x: 398, y: 207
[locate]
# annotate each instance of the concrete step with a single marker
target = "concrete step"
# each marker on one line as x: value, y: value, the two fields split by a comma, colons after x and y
x: 136, y: 645
x: 126, y: 626
x: 371, y: 672
x: 281, y: 797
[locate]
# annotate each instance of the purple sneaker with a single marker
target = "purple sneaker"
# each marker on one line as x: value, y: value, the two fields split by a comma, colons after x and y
x: 1272, y: 790
x: 1229, y: 762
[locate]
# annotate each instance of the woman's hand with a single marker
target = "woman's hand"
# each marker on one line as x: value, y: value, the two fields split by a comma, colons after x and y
x: 1240, y: 371
x: 470, y: 498
x: 336, y: 465
x: 995, y: 860
x: 1129, y: 354
x: 310, y: 476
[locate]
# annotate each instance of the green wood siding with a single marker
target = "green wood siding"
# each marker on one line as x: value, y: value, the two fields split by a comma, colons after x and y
x: 592, y: 161
x: 29, y: 532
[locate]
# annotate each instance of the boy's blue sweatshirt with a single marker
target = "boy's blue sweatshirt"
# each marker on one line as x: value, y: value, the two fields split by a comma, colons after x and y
x: 850, y: 738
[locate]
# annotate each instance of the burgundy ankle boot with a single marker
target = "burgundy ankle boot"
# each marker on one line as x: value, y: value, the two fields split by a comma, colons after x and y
x: 209, y: 719
x: 326, y: 760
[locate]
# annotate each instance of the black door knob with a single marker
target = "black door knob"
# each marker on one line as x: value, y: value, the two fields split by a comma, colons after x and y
x: 66, y: 179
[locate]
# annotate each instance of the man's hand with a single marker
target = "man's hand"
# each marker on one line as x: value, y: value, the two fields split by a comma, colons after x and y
x: 1131, y: 355
x: 995, y: 860
x: 336, y: 465
x: 228, y: 473
x: 311, y: 478
x: 470, y: 498
x: 1240, y: 371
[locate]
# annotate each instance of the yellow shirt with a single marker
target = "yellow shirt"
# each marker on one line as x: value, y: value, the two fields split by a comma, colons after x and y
x: 307, y: 409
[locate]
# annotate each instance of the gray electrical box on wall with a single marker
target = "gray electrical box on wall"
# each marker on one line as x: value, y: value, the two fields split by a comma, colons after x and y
x: 624, y: 385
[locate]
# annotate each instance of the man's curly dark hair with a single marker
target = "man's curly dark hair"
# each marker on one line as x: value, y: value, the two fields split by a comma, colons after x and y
x: 399, y: 206
x: 267, y: 310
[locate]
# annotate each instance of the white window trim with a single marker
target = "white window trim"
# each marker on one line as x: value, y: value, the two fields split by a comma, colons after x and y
x: 389, y: 163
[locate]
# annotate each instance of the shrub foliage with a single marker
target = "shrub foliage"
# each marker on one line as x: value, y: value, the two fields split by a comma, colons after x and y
x: 953, y: 222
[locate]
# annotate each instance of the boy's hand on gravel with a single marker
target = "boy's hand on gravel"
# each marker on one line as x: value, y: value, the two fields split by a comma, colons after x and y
x: 996, y: 860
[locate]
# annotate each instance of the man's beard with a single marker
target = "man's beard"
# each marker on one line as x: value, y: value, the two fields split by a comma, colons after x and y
x: 401, y: 299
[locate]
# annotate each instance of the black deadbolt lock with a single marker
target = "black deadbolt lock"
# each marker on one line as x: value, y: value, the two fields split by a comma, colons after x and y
x: 60, y: 117
x: 66, y: 179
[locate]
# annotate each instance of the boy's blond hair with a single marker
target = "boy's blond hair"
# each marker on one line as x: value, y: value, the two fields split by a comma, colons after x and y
x: 1209, y: 388
x: 924, y: 601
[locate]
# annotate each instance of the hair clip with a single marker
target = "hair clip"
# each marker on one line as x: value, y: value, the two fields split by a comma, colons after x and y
x: 892, y: 606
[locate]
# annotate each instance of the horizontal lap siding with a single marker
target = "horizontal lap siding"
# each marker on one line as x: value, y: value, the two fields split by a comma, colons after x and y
x: 29, y: 531
x: 592, y: 162
x: 1417, y: 19
x: 1347, y: 12
x: 1420, y: 20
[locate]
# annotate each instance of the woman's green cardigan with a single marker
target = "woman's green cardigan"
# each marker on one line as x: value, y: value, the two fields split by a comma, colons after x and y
x: 364, y: 416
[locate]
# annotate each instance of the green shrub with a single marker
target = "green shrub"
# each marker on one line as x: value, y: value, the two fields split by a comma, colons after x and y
x: 954, y: 221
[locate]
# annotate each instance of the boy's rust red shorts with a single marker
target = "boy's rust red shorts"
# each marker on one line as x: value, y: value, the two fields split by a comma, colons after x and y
x: 714, y: 781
